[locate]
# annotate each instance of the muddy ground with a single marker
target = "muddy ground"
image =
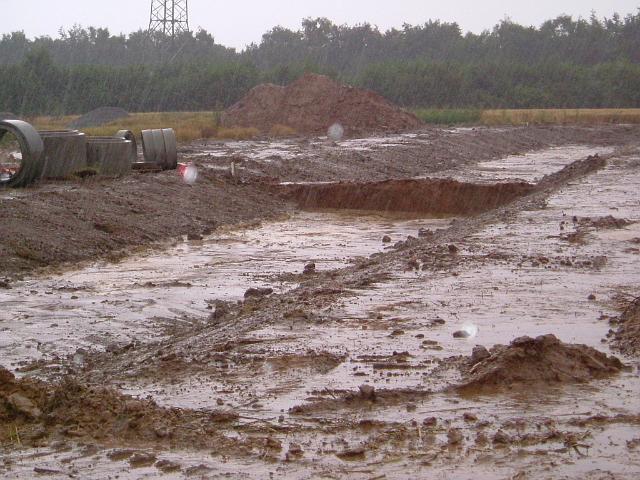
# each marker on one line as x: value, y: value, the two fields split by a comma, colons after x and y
x: 255, y: 339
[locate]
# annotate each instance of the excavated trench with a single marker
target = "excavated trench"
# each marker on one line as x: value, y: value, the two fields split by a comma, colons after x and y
x: 437, y: 197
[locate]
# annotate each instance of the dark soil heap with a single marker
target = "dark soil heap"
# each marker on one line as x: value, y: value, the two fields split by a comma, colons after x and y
x: 98, y: 117
x: 313, y: 103
x: 543, y: 360
x: 627, y: 337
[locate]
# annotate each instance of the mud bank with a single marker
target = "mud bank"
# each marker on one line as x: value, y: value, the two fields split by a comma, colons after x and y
x: 57, y: 223
x: 433, y: 197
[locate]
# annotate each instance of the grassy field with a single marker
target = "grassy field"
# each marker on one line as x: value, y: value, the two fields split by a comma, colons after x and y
x: 529, y: 117
x: 188, y: 126
x: 203, y: 125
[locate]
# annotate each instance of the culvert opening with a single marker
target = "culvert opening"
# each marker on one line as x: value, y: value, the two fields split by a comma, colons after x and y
x: 10, y: 157
x: 21, y: 150
x: 433, y: 197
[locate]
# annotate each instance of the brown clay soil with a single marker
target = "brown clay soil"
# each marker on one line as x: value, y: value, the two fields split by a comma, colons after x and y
x: 313, y: 103
x: 351, y: 372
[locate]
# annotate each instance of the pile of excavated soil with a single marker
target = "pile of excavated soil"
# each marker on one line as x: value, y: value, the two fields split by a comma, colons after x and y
x: 313, y: 103
x: 39, y: 412
x: 429, y: 196
x: 99, y: 116
x: 627, y: 337
x: 542, y: 360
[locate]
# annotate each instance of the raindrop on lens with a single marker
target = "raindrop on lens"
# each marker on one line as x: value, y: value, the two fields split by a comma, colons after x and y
x: 190, y: 174
x: 336, y: 132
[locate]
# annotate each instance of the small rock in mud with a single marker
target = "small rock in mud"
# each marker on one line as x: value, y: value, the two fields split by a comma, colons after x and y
x: 543, y: 360
x: 309, y: 268
x: 501, y: 438
x: 119, y: 455
x: 453, y: 249
x: 591, y: 297
x: 470, y: 417
x: 295, y: 450
x: 167, y: 466
x: 352, y: 454
x: 430, y: 422
x: 479, y: 354
x: 454, y: 436
x: 425, y: 232
x: 258, y: 292
x: 23, y: 405
x: 367, y: 392
x: 386, y: 239
x: 461, y: 334
x: 221, y: 310
x: 141, y: 459
x: 4, y: 284
x: 194, y: 237
x: 396, y: 333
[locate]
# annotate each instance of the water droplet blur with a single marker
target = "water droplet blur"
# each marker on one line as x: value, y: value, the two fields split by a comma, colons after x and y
x: 336, y: 132
x: 190, y: 174
x: 471, y: 329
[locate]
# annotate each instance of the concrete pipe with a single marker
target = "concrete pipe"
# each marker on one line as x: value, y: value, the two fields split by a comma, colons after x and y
x: 109, y: 155
x: 32, y: 151
x: 153, y: 146
x: 160, y: 148
x: 171, y: 148
x: 65, y: 153
x: 128, y: 135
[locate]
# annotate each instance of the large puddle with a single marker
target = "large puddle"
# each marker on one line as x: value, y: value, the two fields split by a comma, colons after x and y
x: 140, y: 297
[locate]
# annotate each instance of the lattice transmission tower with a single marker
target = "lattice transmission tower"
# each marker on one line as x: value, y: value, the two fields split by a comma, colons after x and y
x: 170, y: 17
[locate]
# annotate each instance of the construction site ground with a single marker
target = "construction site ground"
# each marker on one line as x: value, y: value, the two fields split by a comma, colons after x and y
x: 154, y: 328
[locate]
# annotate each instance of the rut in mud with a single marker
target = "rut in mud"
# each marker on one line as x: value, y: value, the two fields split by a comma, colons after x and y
x: 434, y: 197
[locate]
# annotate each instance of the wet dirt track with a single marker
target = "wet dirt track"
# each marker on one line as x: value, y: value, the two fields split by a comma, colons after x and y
x: 286, y: 368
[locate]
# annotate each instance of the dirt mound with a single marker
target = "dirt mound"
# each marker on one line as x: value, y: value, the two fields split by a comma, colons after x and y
x: 39, y: 412
x: 543, y: 360
x: 627, y: 338
x: 313, y: 103
x: 98, y: 117
x: 439, y: 197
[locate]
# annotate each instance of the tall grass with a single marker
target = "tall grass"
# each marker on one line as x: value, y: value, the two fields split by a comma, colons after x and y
x: 448, y: 117
x: 560, y: 116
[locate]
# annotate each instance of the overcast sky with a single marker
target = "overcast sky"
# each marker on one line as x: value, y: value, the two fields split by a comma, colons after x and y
x: 236, y: 23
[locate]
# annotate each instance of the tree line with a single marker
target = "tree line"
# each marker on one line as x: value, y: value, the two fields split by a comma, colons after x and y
x: 564, y: 63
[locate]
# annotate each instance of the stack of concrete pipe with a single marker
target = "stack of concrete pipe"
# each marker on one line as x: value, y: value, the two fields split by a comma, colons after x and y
x: 60, y: 154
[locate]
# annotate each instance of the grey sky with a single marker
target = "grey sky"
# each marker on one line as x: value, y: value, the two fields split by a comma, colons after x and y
x: 236, y: 23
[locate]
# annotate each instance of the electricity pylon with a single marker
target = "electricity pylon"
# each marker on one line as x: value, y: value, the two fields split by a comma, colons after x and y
x: 170, y: 17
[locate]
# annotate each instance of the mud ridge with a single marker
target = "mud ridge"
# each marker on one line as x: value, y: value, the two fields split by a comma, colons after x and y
x: 38, y: 412
x: 627, y: 337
